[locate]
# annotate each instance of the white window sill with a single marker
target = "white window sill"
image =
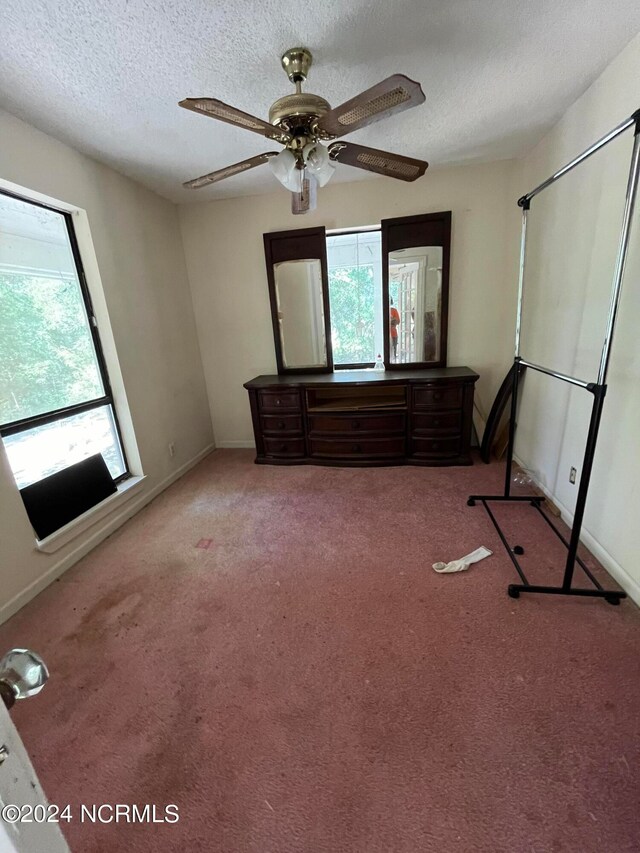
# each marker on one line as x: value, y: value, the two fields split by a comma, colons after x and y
x: 126, y: 490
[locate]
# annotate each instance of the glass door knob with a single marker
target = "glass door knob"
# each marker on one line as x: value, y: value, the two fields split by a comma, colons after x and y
x: 23, y: 673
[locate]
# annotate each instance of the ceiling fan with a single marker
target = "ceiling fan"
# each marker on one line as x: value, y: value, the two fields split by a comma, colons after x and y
x: 302, y: 122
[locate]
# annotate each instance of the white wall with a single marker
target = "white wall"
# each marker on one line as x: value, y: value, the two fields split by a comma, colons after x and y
x: 150, y: 321
x: 574, y: 228
x: 225, y: 259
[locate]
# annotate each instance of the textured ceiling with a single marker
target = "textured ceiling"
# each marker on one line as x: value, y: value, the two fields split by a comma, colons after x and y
x: 106, y: 77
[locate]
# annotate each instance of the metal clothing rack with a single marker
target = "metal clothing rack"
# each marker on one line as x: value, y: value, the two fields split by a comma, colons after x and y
x: 598, y: 389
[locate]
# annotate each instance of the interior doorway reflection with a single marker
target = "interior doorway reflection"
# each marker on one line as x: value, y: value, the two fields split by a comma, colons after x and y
x: 415, y: 295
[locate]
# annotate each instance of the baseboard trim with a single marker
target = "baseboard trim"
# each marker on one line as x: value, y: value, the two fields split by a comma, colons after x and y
x: 630, y: 585
x: 249, y: 445
x: 110, y: 525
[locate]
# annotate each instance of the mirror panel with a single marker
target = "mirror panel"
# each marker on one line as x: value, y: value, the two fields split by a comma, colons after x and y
x: 415, y: 304
x: 299, y: 295
x: 415, y: 289
x: 301, y: 326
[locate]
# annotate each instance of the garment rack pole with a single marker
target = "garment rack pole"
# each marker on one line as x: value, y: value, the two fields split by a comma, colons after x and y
x: 625, y: 125
x: 621, y: 261
x: 597, y: 389
x: 556, y: 374
x: 516, y: 366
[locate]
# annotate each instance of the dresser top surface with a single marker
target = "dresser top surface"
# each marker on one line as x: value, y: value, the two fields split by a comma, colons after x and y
x: 363, y: 377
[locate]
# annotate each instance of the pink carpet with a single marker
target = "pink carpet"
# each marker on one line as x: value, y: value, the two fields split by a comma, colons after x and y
x: 307, y: 683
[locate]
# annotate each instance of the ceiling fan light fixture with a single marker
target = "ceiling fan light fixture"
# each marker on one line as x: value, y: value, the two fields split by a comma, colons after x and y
x: 285, y: 170
x: 317, y: 162
x: 302, y: 122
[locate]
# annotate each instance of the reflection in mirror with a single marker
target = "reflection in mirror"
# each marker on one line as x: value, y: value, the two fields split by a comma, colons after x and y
x: 298, y: 286
x: 415, y: 302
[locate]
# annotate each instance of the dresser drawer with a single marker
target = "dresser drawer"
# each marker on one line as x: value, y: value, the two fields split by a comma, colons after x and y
x: 355, y: 423
x: 279, y: 401
x: 437, y: 396
x: 435, y: 447
x: 281, y: 424
x: 285, y: 447
x: 366, y: 448
x: 437, y: 423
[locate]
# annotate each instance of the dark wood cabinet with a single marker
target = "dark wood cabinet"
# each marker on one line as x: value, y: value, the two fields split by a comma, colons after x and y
x: 414, y: 417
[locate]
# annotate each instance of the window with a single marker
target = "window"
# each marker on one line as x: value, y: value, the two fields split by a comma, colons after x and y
x: 355, y: 296
x: 56, y: 406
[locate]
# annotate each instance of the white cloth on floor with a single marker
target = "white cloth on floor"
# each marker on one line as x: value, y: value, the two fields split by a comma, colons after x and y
x: 463, y: 563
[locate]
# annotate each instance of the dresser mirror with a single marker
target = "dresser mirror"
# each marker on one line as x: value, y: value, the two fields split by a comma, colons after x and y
x: 415, y: 304
x: 298, y: 291
x: 386, y: 290
x: 415, y: 289
x: 301, y: 328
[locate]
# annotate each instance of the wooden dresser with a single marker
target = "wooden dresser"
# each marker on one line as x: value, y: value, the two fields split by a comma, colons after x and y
x: 361, y: 417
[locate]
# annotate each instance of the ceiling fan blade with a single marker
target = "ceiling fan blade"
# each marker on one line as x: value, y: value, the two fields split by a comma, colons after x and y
x: 229, y: 171
x: 374, y: 160
x: 223, y: 112
x: 392, y: 95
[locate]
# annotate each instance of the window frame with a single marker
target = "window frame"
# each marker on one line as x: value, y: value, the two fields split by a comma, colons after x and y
x: 342, y: 232
x: 23, y: 424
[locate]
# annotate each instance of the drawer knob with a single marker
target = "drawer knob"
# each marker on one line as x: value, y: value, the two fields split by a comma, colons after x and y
x: 283, y: 447
x: 281, y: 424
x: 355, y: 424
x: 436, y: 395
x: 278, y: 401
x: 436, y: 422
x: 435, y: 445
x: 356, y: 448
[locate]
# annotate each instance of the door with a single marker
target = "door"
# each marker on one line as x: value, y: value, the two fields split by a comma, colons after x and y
x: 27, y: 821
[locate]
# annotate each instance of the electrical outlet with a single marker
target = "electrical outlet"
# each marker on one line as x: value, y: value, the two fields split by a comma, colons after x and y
x: 172, y: 449
x: 572, y: 475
